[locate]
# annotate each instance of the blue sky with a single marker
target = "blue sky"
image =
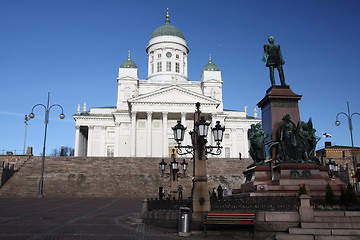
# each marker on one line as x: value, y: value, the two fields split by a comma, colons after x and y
x: 73, y: 48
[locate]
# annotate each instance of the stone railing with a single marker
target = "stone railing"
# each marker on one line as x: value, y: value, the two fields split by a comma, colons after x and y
x: 257, y: 203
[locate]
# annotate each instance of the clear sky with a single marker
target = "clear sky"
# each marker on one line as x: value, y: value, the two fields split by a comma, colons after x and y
x: 73, y: 48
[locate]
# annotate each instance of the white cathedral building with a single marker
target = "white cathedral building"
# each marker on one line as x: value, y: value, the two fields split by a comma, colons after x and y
x: 140, y: 123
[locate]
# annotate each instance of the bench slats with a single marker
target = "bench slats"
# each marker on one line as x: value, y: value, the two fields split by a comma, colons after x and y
x: 230, y: 218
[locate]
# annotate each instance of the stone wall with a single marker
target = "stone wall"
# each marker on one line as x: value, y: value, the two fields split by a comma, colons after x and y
x: 113, y: 177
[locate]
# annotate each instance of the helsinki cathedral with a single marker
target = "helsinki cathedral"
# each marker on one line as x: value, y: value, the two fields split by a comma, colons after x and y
x: 146, y: 109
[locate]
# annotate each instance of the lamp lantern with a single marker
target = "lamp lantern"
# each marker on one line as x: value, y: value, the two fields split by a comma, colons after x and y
x: 218, y: 132
x: 179, y: 131
x: 174, y: 165
x: 162, y: 165
x: 203, y: 127
x: 184, y: 165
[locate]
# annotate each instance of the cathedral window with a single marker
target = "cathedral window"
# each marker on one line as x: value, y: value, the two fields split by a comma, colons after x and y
x: 110, y: 151
x: 152, y: 68
x: 168, y: 66
x: 227, y: 152
x: 159, y: 67
x: 177, y: 67
x: 159, y: 55
x: 177, y: 56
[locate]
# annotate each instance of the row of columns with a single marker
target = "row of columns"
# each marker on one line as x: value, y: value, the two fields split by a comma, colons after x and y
x: 149, y: 133
x: 84, y: 144
x: 165, y: 143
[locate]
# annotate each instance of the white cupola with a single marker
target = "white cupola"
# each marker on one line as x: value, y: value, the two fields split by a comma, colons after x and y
x: 167, y: 54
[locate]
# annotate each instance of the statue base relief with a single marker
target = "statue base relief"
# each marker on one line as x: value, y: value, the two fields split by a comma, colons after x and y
x: 285, y: 180
x: 278, y: 101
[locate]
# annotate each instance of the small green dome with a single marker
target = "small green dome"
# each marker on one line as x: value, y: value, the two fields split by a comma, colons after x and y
x: 128, y: 64
x: 167, y: 30
x: 211, y: 67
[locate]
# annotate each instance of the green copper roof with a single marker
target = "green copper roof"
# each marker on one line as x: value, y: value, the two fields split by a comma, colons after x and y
x: 211, y: 67
x: 128, y: 64
x: 167, y: 30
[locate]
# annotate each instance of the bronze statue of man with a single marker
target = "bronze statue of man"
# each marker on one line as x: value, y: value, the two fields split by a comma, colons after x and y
x: 273, y: 58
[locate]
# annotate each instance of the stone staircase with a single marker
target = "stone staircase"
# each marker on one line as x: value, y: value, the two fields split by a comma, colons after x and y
x: 109, y: 177
x: 327, y: 225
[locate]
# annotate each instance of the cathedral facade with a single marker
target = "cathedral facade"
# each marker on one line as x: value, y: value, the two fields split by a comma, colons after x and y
x: 140, y: 123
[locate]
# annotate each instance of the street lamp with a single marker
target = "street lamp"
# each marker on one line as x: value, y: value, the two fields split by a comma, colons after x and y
x: 47, y: 112
x: 174, y: 166
x: 26, y: 124
x: 337, y: 123
x: 201, y: 128
x: 199, y: 150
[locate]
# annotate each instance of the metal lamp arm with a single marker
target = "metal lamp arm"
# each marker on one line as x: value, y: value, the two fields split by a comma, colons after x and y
x: 209, y: 149
x: 337, y: 116
x: 62, y: 110
x: 355, y: 114
x: 188, y: 149
x: 32, y: 110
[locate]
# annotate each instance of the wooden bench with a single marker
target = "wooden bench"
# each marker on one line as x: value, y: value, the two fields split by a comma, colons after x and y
x: 230, y: 218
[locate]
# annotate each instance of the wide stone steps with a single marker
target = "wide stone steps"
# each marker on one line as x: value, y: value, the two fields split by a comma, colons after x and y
x: 327, y: 225
x: 110, y: 177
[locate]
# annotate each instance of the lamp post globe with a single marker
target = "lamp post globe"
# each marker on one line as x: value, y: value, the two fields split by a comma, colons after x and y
x: 337, y: 123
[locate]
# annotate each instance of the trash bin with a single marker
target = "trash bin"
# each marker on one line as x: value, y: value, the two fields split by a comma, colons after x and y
x: 184, y: 228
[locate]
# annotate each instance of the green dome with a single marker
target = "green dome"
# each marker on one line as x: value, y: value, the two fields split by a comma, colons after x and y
x: 128, y: 64
x: 167, y: 30
x: 211, y: 67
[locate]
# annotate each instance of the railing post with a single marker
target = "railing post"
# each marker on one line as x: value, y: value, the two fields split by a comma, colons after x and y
x: 306, y: 212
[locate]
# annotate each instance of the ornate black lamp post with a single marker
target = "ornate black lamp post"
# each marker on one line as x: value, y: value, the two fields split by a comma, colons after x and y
x: 47, y: 112
x: 174, y: 169
x: 199, y: 150
x: 337, y: 123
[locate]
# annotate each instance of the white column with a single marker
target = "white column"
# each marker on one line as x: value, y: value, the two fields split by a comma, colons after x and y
x: 165, y: 137
x: 103, y: 152
x: 84, y: 142
x: 187, y: 139
x: 245, y: 143
x: 77, y: 141
x: 183, y: 118
x: 149, y: 134
x: 133, y: 134
x: 90, y: 141
x: 117, y: 140
x: 213, y: 123
x: 234, y: 151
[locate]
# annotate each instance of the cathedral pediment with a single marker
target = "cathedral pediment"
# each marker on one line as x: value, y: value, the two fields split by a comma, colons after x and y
x: 173, y: 95
x: 212, y: 81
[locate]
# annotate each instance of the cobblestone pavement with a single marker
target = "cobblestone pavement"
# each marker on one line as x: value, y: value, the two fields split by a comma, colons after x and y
x: 82, y: 218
